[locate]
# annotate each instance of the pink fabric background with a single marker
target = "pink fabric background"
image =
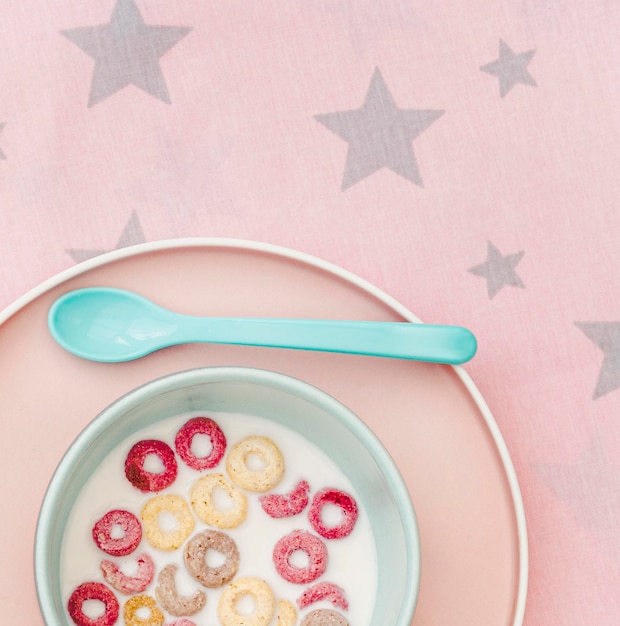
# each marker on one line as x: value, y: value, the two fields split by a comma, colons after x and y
x: 238, y: 153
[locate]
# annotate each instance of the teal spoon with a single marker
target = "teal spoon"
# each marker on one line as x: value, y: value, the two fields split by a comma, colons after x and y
x: 112, y: 325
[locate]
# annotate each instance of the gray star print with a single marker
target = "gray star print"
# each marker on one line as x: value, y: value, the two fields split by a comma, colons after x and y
x: 379, y: 134
x: 499, y: 270
x: 126, y: 52
x: 2, y: 155
x: 132, y: 235
x: 606, y: 335
x: 510, y: 68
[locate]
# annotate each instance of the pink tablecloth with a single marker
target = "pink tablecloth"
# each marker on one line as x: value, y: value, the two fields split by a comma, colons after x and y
x: 461, y: 155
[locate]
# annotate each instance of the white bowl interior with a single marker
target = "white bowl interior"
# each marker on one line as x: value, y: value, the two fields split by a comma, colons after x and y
x: 309, y: 411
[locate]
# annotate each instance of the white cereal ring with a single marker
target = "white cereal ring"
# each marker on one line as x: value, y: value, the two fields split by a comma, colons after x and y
x: 264, y: 602
x: 201, y: 497
x: 167, y: 539
x: 263, y: 479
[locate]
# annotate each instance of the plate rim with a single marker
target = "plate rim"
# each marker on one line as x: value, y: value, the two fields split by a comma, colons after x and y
x: 350, y: 277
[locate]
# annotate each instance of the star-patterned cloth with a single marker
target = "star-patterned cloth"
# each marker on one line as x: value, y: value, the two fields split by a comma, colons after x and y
x: 460, y: 155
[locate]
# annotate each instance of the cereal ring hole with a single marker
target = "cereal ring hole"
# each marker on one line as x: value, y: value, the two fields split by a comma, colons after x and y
x: 299, y: 559
x: 93, y: 609
x: 117, y: 532
x: 222, y: 500
x: 332, y: 515
x: 167, y: 521
x: 215, y: 558
x: 153, y: 464
x: 254, y: 462
x: 201, y: 446
x: 246, y: 605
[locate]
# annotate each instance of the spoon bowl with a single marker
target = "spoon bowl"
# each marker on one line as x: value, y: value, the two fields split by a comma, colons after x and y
x: 113, y: 325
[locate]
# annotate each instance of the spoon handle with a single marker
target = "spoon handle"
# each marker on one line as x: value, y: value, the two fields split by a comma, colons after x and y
x: 405, y: 340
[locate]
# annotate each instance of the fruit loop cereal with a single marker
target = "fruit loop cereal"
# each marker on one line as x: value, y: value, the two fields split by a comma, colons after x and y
x: 264, y: 603
x: 150, y: 481
x: 323, y: 591
x: 324, y: 617
x: 202, y: 497
x: 202, y: 426
x: 129, y: 584
x: 263, y: 479
x: 131, y: 612
x: 308, y: 543
x: 286, y: 505
x: 212, y: 540
x: 93, y: 591
x: 170, y: 599
x: 349, y: 508
x: 196, y: 558
x: 167, y: 539
x: 127, y: 523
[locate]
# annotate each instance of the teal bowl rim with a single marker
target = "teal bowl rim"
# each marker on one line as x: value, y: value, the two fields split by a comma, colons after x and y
x: 279, y: 381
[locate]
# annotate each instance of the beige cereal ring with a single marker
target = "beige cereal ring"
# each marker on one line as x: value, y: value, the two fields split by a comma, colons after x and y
x: 324, y: 617
x: 196, y: 558
x: 167, y: 539
x: 264, y: 602
x: 287, y: 613
x: 134, y: 604
x: 271, y: 458
x: 201, y: 497
x: 169, y: 598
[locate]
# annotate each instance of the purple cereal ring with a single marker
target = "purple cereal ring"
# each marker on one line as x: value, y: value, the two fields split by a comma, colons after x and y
x: 289, y: 504
x: 150, y: 481
x: 93, y: 591
x: 117, y: 546
x: 323, y: 591
x: 306, y: 542
x: 185, y: 436
x: 324, y: 617
x: 129, y: 584
x: 341, y: 499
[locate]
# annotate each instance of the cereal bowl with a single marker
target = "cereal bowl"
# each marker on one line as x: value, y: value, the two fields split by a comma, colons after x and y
x: 307, y: 512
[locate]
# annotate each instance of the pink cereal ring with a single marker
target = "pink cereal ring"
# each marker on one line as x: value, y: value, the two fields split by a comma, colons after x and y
x: 129, y: 584
x: 341, y: 499
x: 323, y: 591
x: 150, y: 481
x: 183, y: 622
x: 314, y: 548
x: 117, y: 546
x: 93, y: 591
x: 289, y: 504
x: 185, y: 436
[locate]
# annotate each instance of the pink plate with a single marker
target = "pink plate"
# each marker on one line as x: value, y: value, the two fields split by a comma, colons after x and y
x: 431, y: 418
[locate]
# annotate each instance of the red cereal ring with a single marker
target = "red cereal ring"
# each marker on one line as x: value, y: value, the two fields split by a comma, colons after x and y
x: 129, y: 584
x: 323, y: 591
x: 93, y: 591
x: 314, y: 548
x: 341, y: 499
x: 185, y: 436
x: 289, y: 504
x: 150, y: 481
x: 117, y: 546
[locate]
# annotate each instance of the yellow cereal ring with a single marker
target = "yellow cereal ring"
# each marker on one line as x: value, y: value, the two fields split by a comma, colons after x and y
x: 264, y: 601
x: 134, y: 604
x: 263, y: 479
x: 287, y: 613
x: 201, y: 497
x: 167, y: 539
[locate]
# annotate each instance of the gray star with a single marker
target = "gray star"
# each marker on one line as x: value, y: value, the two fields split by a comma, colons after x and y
x: 132, y: 234
x: 2, y: 155
x: 510, y: 68
x: 606, y: 335
x: 379, y: 134
x: 126, y: 52
x: 499, y: 270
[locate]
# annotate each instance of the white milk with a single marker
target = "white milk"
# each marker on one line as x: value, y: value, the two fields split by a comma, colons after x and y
x: 351, y: 562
